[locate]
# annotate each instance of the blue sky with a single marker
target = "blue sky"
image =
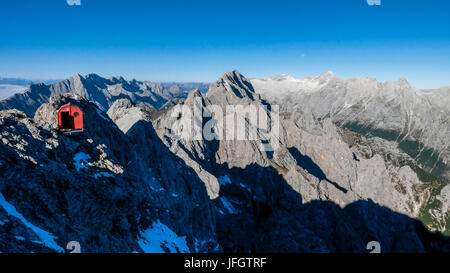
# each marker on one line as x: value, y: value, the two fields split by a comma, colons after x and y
x: 195, y: 40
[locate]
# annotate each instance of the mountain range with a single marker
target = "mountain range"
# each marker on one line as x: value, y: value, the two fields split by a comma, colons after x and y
x: 417, y: 121
x: 101, y: 91
x: 356, y: 161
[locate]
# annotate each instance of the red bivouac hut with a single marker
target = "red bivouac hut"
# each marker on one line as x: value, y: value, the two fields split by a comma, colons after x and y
x: 70, y: 117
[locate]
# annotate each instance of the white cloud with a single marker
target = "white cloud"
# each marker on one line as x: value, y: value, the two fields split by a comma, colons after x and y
x: 7, y: 90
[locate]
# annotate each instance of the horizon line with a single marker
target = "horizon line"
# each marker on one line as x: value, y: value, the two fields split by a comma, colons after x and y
x: 50, y: 81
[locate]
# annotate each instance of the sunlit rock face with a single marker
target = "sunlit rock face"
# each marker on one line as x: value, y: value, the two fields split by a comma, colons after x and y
x: 417, y: 120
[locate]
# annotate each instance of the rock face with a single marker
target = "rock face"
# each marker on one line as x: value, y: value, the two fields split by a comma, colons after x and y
x: 417, y: 120
x: 104, y: 189
x: 313, y: 157
x: 142, y: 179
x: 101, y: 91
x: 313, y: 164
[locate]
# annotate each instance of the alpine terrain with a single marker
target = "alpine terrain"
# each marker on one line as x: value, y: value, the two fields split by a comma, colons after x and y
x: 351, y: 162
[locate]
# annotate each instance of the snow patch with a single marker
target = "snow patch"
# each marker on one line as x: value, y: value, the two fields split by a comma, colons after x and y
x: 47, y: 238
x: 102, y: 175
x: 80, y: 158
x: 224, y: 180
x: 160, y: 238
x: 199, y: 245
x: 245, y: 187
x: 228, y: 205
x: 99, y: 112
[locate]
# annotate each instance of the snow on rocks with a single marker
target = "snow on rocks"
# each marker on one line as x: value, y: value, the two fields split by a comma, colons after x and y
x: 161, y: 239
x: 46, y: 238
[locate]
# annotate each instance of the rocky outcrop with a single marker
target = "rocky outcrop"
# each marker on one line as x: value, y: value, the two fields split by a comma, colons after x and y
x: 102, y: 188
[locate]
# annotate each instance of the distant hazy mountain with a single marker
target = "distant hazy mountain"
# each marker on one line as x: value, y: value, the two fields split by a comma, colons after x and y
x: 185, y: 87
x: 23, y: 82
x: 417, y: 120
x: 11, y: 86
x: 99, y: 90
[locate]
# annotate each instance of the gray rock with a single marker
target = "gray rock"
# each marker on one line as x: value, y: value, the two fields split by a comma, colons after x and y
x: 322, y: 189
x: 312, y: 164
x: 416, y: 119
x: 102, y: 188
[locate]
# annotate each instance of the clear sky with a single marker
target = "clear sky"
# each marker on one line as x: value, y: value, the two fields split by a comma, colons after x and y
x: 196, y: 40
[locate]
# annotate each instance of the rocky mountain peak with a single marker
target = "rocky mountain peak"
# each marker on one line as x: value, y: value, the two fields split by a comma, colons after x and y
x: 404, y: 82
x: 231, y: 88
x: 400, y: 84
x: 237, y: 79
x: 94, y: 77
x: 116, y: 79
x: 194, y: 93
x: 327, y: 77
x: 77, y: 77
x: 232, y: 73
